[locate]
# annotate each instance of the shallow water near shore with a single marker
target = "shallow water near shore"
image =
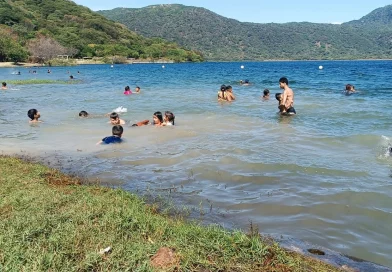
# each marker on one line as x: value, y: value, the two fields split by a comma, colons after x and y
x: 323, y: 176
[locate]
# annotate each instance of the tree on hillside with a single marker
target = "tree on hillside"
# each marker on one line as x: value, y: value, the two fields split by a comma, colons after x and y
x: 43, y: 49
x: 10, y: 50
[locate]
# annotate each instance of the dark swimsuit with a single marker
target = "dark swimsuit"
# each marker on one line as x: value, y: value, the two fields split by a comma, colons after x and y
x: 111, y: 140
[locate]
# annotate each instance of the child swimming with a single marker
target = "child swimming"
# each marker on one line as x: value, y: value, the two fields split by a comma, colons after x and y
x: 117, y: 132
x: 157, y: 119
x: 83, y: 114
x: 115, y: 119
x: 266, y: 94
x: 168, y: 119
x: 350, y: 89
x: 33, y: 114
x: 4, y: 86
x: 127, y: 90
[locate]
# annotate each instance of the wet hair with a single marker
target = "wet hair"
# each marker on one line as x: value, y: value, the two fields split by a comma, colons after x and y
x: 349, y: 86
x: 127, y: 88
x: 223, y: 88
x: 266, y: 92
x: 114, y: 115
x: 284, y: 80
x: 135, y: 125
x: 83, y: 113
x: 137, y: 87
x: 117, y: 130
x: 278, y: 96
x: 31, y: 113
x: 71, y: 76
x: 158, y: 114
x: 246, y: 80
x: 3, y: 84
x: 228, y: 87
x: 170, y: 116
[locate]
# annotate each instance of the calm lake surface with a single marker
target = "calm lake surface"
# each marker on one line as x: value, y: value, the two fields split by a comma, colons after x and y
x: 323, y: 176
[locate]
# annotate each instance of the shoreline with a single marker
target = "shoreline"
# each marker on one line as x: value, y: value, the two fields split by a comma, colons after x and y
x: 78, y: 62
x: 118, y: 228
x: 304, y: 255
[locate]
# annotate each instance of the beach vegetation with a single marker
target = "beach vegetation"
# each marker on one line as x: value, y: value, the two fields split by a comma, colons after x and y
x: 50, y: 221
x: 45, y: 29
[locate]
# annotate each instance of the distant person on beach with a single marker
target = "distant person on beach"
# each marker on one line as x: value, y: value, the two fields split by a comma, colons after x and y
x: 137, y: 89
x: 287, y: 97
x: 34, y: 115
x: 83, y: 114
x: 350, y: 89
x: 127, y: 90
x: 266, y: 94
x: 4, y: 86
x: 115, y: 119
x: 168, y: 119
x: 117, y: 132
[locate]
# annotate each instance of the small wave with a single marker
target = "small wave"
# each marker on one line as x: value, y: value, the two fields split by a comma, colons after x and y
x: 120, y: 109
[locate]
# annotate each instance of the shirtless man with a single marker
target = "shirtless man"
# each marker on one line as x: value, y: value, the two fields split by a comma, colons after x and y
x: 287, y: 101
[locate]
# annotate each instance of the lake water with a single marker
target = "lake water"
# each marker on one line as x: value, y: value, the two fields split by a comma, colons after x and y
x: 323, y: 176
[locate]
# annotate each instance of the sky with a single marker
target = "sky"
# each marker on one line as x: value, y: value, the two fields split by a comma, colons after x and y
x: 263, y: 11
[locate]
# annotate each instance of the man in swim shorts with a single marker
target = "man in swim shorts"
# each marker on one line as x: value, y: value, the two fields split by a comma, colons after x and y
x: 287, y: 97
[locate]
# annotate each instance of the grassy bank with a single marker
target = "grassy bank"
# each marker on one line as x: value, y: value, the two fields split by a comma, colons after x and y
x: 49, y: 222
x: 39, y: 81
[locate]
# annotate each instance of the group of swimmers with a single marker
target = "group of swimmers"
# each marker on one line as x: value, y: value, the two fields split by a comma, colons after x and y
x: 285, y: 99
x: 128, y: 91
x: 159, y: 120
x: 285, y: 106
x: 117, y: 130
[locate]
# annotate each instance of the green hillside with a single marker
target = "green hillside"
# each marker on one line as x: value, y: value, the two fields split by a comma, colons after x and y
x: 220, y: 38
x: 31, y: 26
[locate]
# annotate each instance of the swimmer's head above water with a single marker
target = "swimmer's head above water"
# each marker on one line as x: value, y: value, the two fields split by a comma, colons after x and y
x: 33, y: 114
x: 83, y: 114
x: 157, y: 118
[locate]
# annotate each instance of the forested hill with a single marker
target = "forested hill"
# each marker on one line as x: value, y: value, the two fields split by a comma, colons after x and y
x: 220, y: 38
x: 29, y: 26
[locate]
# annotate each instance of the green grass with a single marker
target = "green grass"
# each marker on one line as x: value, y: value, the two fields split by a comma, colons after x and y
x: 40, y: 81
x: 49, y: 222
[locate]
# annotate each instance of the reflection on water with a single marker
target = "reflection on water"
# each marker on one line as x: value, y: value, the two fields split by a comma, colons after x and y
x: 322, y: 176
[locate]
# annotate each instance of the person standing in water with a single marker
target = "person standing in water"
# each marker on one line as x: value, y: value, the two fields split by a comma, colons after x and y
x: 287, y: 101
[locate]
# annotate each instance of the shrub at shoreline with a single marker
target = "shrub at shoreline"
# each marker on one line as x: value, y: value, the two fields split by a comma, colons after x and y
x: 50, y: 222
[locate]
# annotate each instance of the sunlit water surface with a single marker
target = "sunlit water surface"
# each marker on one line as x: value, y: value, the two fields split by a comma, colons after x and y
x: 323, y: 176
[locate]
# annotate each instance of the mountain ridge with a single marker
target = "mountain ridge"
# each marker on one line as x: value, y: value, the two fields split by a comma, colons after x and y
x: 221, y: 38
